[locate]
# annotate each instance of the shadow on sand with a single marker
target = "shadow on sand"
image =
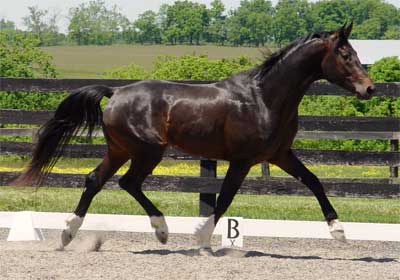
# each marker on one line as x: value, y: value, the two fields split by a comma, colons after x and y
x: 236, y: 253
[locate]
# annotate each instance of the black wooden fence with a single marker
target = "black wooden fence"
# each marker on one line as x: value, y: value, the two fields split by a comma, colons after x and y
x: 311, y: 127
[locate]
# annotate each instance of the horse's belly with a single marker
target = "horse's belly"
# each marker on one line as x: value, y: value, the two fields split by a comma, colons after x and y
x: 201, y: 148
x: 197, y: 129
x: 197, y: 139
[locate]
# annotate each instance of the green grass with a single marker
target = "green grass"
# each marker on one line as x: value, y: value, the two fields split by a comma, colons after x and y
x: 93, y: 61
x: 186, y: 204
x: 266, y: 207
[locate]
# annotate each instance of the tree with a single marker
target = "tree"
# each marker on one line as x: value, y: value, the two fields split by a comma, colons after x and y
x: 185, y: 21
x: 162, y: 20
x: 393, y: 32
x: 34, y: 22
x: 368, y: 30
x: 387, y: 14
x: 21, y: 57
x: 329, y: 15
x: 217, y: 32
x: 291, y: 20
x: 251, y: 23
x: 6, y: 25
x: 94, y: 23
x: 43, y: 25
x: 77, y: 30
x: 113, y: 21
x: 372, y: 18
x: 147, y: 28
x: 128, y: 33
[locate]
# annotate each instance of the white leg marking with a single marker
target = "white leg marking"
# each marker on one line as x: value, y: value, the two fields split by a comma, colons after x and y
x: 204, y: 232
x: 74, y: 222
x: 159, y: 224
x: 336, y: 230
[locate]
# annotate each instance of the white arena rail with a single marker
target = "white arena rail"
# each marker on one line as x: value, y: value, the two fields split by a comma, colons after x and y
x: 187, y: 225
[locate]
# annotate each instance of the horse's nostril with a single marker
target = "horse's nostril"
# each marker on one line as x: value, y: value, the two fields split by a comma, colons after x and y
x: 370, y: 89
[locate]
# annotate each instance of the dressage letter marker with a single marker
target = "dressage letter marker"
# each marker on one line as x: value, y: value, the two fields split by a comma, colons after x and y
x: 232, y: 232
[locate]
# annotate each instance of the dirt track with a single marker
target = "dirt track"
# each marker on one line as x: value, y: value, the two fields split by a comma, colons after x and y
x: 139, y: 256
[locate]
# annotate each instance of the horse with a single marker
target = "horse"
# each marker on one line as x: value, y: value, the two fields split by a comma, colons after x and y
x: 245, y: 119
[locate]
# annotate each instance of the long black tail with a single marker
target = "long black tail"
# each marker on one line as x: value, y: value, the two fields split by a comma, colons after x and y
x: 80, y: 109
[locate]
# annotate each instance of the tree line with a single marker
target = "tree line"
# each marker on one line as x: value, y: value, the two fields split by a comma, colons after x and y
x: 253, y: 23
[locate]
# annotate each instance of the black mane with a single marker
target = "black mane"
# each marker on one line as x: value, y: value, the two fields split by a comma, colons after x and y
x: 263, y: 69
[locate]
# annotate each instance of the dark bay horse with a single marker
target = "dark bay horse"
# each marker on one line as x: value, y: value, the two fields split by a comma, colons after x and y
x: 245, y: 119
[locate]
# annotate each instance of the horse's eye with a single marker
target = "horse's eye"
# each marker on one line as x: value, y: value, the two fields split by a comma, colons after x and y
x: 346, y: 56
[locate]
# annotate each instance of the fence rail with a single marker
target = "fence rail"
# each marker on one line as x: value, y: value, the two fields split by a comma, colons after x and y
x: 59, y: 85
x: 355, y: 187
x: 309, y: 123
x: 310, y: 127
x: 329, y: 157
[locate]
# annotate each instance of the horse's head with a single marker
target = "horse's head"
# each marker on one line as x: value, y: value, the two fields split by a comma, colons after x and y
x: 341, y: 65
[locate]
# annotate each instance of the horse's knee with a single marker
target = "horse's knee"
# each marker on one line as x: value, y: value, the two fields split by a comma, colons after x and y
x: 92, y: 185
x: 125, y: 182
x: 313, y: 183
x: 130, y: 184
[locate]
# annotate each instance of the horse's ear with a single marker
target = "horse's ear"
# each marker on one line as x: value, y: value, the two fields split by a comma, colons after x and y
x: 347, y: 30
x: 335, y: 35
x: 342, y: 31
x: 340, y: 36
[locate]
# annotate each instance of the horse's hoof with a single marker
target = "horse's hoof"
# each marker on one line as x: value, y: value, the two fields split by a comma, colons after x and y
x: 66, y: 238
x: 206, y: 252
x: 74, y: 222
x: 158, y: 222
x: 339, y: 235
x: 204, y: 232
x: 337, y: 231
x: 60, y: 248
x: 162, y: 235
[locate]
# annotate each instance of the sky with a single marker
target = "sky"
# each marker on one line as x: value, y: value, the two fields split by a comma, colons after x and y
x: 15, y: 10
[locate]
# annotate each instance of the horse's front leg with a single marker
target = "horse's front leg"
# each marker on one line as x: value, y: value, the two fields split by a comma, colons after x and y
x: 234, y: 177
x: 292, y: 165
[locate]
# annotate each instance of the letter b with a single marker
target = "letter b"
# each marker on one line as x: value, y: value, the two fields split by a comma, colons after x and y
x: 233, y: 231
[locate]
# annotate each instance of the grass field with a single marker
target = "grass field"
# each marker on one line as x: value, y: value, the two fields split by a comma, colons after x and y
x: 186, y: 204
x: 93, y: 61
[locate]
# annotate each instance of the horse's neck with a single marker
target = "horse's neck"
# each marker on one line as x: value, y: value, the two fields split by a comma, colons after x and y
x: 285, y: 86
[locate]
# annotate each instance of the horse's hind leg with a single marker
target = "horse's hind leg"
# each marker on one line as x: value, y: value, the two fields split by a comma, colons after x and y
x: 141, y: 166
x: 93, y: 184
